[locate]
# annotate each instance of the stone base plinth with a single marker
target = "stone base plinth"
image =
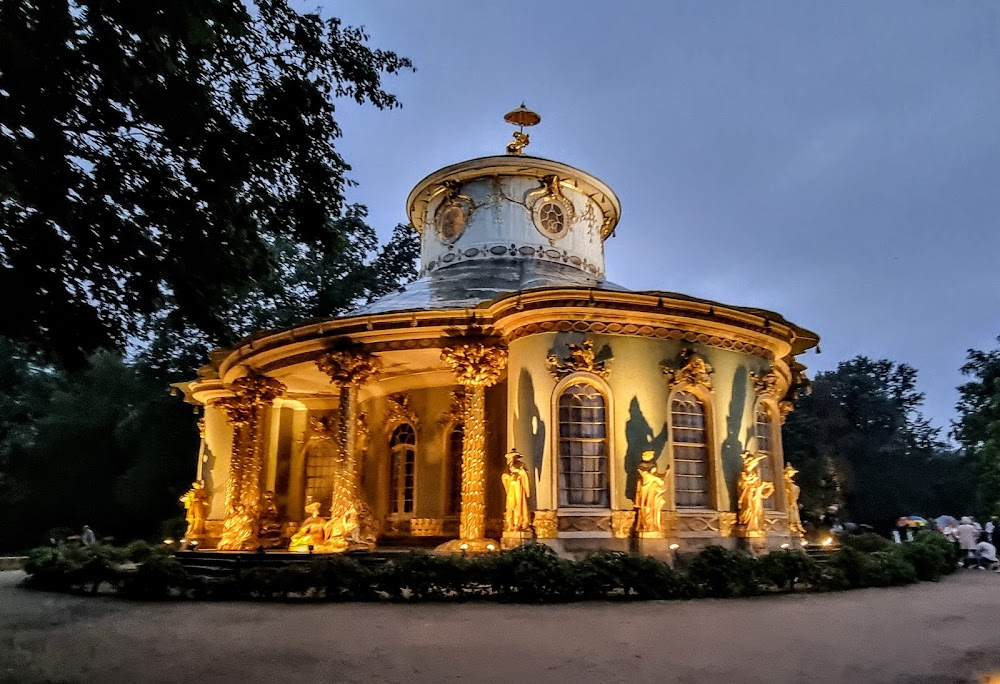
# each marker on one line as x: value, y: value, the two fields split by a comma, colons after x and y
x: 655, y: 547
x: 511, y: 540
x: 469, y: 546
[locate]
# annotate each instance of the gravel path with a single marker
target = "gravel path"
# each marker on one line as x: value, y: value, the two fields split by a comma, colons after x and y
x: 929, y: 633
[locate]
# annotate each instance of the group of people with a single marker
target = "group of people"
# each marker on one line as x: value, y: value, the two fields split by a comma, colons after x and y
x: 974, y: 543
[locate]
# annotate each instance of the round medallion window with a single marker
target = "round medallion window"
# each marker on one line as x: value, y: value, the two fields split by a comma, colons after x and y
x: 552, y: 216
x: 450, y: 220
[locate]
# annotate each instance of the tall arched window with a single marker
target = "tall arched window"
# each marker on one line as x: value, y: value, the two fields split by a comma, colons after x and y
x: 690, y: 450
x: 455, y: 439
x: 403, y: 446
x: 583, y: 446
x: 765, y: 445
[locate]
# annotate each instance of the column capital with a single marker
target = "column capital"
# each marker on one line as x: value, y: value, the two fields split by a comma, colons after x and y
x: 476, y: 364
x: 257, y: 389
x: 349, y: 367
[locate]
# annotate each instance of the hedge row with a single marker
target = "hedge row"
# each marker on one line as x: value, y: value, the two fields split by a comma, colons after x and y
x: 530, y: 574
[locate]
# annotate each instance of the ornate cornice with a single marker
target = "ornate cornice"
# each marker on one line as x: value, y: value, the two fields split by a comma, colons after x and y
x: 694, y: 373
x: 633, y: 330
x: 581, y: 358
x: 476, y: 364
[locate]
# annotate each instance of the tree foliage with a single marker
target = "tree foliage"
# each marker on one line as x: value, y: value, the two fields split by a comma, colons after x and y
x: 978, y: 426
x: 859, y: 440
x: 167, y: 156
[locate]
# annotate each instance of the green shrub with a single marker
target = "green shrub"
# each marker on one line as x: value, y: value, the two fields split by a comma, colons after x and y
x: 158, y: 577
x: 425, y: 576
x: 140, y: 551
x: 340, y: 578
x: 869, y: 542
x: 610, y: 574
x: 878, y: 569
x: 69, y: 568
x: 533, y: 573
x: 943, y: 549
x: 783, y: 568
x: 721, y: 573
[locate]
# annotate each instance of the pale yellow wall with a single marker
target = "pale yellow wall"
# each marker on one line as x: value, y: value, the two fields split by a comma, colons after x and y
x: 639, y: 407
x: 218, y: 442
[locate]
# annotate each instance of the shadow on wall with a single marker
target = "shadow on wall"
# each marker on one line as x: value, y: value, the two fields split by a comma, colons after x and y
x: 639, y: 437
x: 528, y: 411
x: 732, y: 447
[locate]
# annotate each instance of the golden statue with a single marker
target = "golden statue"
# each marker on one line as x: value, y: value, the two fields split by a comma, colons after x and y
x: 516, y: 484
x: 650, y: 496
x: 312, y: 530
x: 520, y: 117
x: 752, y: 492
x: 195, y: 502
x: 792, y: 491
x: 519, y: 142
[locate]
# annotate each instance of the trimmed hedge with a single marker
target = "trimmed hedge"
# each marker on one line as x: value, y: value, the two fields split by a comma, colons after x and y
x: 529, y: 574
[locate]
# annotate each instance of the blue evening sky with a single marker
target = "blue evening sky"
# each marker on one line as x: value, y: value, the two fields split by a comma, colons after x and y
x: 838, y: 163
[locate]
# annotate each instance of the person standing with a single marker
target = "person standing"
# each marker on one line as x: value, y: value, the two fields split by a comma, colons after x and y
x: 991, y: 525
x: 987, y: 554
x: 968, y: 537
x: 87, y: 537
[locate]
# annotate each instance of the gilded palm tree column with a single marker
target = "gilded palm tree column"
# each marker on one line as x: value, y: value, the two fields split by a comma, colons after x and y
x: 477, y: 366
x: 349, y: 516
x: 252, y: 395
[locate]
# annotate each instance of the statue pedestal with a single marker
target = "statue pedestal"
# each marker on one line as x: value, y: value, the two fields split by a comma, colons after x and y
x: 469, y: 546
x: 511, y: 540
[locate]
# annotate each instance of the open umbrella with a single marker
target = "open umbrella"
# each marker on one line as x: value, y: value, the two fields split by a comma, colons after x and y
x: 916, y: 521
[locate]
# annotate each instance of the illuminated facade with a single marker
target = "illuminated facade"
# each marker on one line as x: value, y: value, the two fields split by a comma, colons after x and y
x: 391, y: 423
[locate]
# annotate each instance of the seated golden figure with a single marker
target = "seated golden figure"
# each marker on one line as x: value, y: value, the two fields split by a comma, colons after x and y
x: 311, y: 532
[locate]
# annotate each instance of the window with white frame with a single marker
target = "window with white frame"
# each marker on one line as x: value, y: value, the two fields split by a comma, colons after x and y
x: 403, y: 447
x: 690, y: 450
x: 765, y: 445
x: 583, y: 446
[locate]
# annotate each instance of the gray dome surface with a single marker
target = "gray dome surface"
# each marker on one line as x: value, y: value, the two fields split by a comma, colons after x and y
x: 469, y: 283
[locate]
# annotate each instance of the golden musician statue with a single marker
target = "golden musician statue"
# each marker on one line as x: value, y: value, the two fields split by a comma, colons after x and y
x: 752, y: 493
x: 650, y: 497
x: 516, y: 485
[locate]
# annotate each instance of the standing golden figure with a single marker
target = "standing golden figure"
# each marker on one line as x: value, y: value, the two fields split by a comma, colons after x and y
x: 752, y: 492
x: 650, y: 497
x: 792, y: 491
x: 195, y: 502
x: 516, y: 485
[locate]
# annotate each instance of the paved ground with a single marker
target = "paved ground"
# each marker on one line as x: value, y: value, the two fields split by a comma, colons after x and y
x: 926, y: 634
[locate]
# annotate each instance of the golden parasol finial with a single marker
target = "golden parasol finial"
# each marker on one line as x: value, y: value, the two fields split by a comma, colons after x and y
x: 520, y: 117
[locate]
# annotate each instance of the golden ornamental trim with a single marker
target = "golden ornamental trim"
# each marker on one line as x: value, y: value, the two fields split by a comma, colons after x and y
x: 766, y: 385
x: 581, y: 358
x: 476, y: 364
x: 399, y: 411
x: 456, y: 410
x: 346, y: 367
x: 695, y: 372
x: 546, y: 524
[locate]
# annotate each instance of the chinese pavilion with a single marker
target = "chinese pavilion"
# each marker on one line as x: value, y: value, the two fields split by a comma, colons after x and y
x: 647, y: 420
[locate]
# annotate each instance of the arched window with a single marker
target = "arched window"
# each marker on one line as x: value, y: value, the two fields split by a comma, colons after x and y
x: 583, y: 446
x: 403, y: 446
x: 690, y: 450
x: 765, y: 445
x: 455, y: 439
